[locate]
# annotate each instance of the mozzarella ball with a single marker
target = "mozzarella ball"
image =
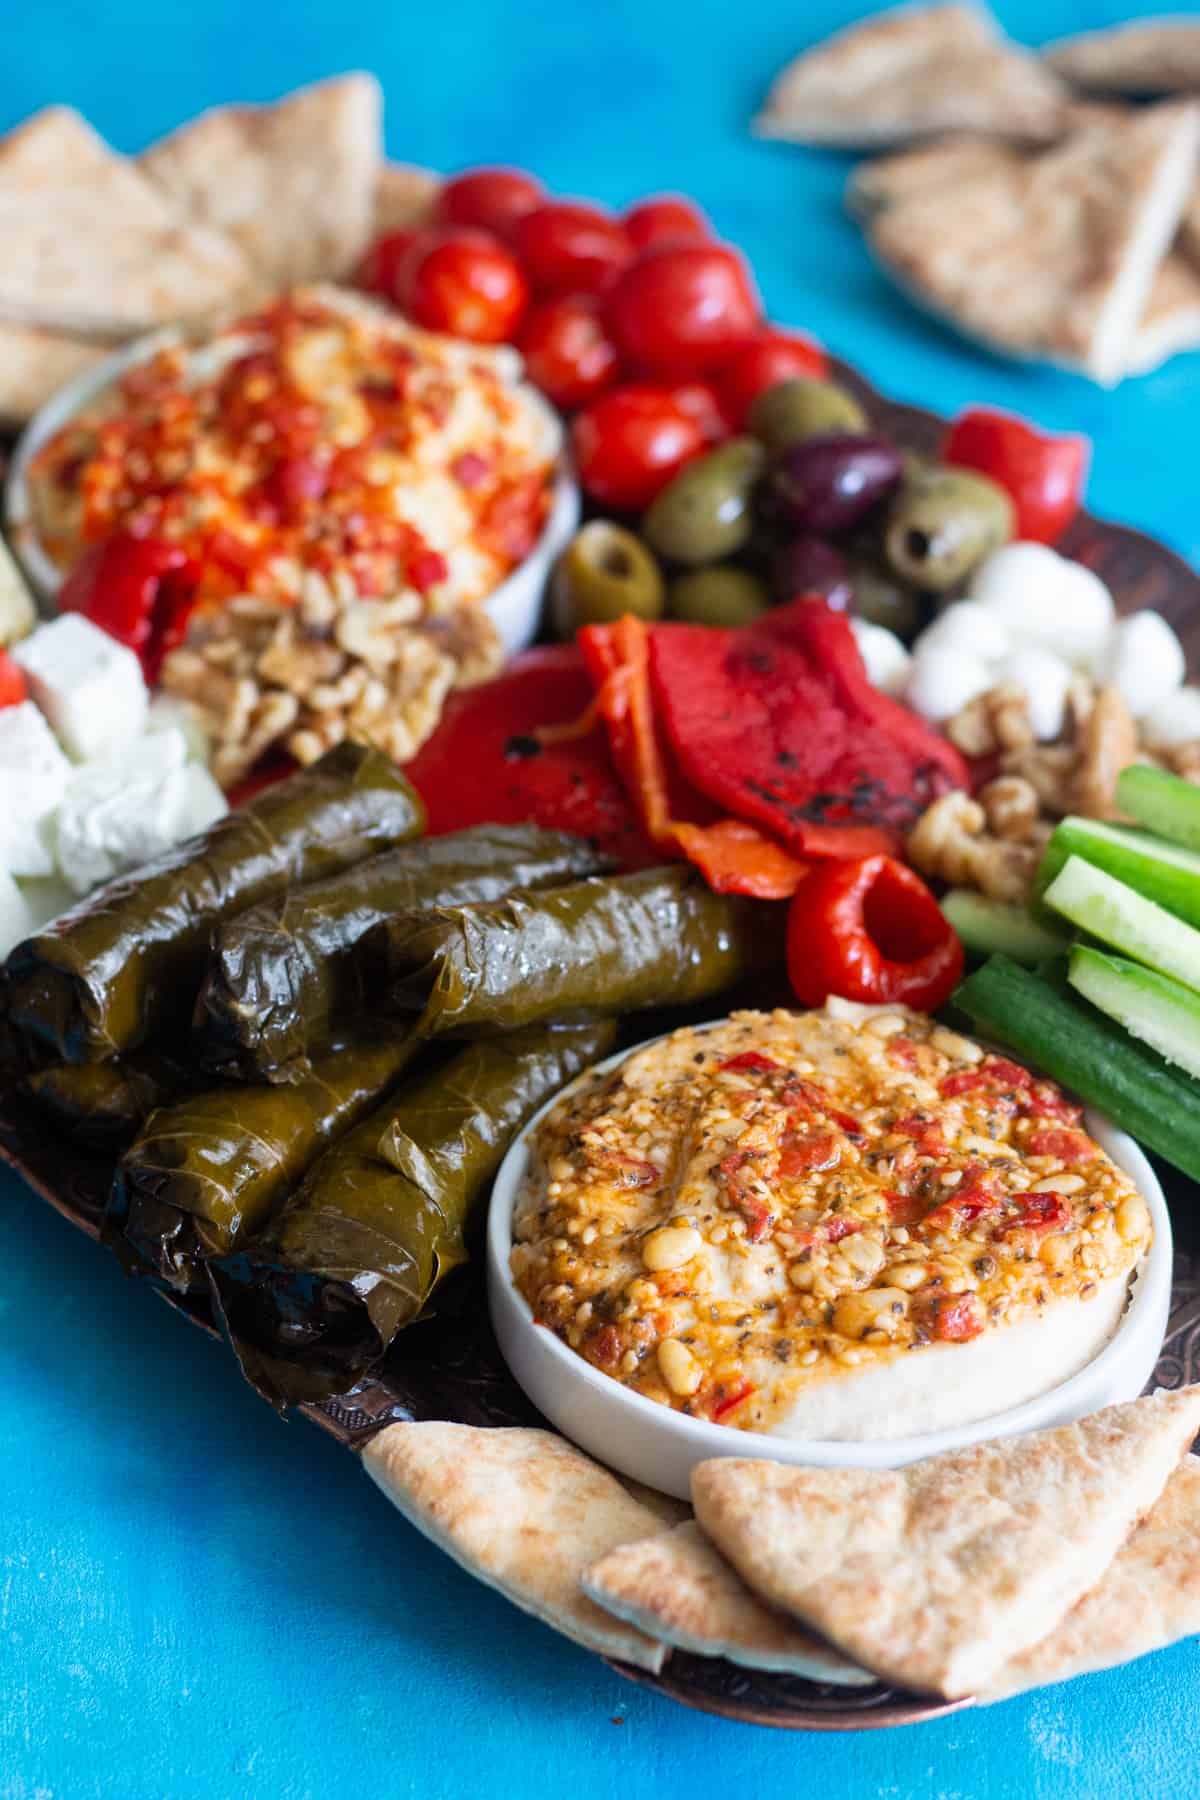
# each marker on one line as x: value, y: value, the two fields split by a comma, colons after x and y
x: 980, y: 630
x: 941, y: 682
x: 1046, y: 599
x: 884, y: 656
x: 1144, y: 661
x: 1174, y: 721
x: 1044, y: 678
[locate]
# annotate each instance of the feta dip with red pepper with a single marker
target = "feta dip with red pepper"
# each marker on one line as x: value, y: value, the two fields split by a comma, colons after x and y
x: 849, y: 1224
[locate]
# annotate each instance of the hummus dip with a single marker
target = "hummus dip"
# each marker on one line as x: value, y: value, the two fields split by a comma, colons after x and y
x: 827, y: 1226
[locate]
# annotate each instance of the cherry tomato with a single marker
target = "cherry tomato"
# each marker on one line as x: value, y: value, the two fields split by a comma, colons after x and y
x: 568, y: 247
x: 681, y: 309
x: 492, y: 199
x: 380, y: 269
x: 770, y: 357
x: 630, y: 442
x: 12, y: 681
x: 665, y: 219
x: 700, y: 400
x: 465, y: 282
x: 1043, y: 474
x: 568, y: 352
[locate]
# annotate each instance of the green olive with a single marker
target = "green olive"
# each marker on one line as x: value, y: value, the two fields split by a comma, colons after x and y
x: 792, y: 411
x: 942, y: 522
x: 707, y: 511
x: 883, y: 600
x: 725, y: 595
x: 604, y: 572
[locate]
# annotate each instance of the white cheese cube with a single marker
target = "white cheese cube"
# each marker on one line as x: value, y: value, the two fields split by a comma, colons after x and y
x: 17, y: 613
x: 18, y: 919
x: 89, y: 686
x: 941, y: 682
x: 48, y: 898
x: 969, y: 625
x: 1046, y: 599
x: 168, y: 713
x: 200, y: 802
x: 117, y: 814
x: 1144, y: 660
x: 1174, y: 721
x: 1044, y: 679
x: 884, y: 656
x: 33, y: 778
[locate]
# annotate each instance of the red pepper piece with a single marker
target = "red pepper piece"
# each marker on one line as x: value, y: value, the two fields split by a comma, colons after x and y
x: 778, y: 724
x: 834, y: 1230
x: 903, y: 1051
x: 871, y: 930
x: 12, y: 681
x: 1044, y: 475
x: 903, y: 1209
x: 752, y: 1060
x: 926, y: 1133
x: 970, y: 1201
x: 1069, y: 1146
x: 753, y: 1208
x: 731, y: 1402
x: 994, y: 1072
x: 632, y: 1171
x: 139, y: 590
x: 1037, y: 1212
x: 485, y: 763
x: 1046, y: 1101
x: 956, y: 1318
x: 815, y: 1150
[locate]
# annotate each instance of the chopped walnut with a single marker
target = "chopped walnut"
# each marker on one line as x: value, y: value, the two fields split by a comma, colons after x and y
x: 949, y: 843
x: 1108, y: 742
x: 996, y: 720
x: 1012, y: 807
x: 1184, y: 760
x: 1050, y: 771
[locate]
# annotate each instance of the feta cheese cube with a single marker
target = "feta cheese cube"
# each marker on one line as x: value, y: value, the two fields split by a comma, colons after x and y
x: 18, y: 919
x: 122, y: 812
x: 884, y: 656
x: 1046, y: 599
x: 1144, y: 659
x: 1175, y: 721
x: 942, y: 681
x: 200, y: 802
x: 1044, y: 678
x: 33, y: 778
x: 971, y: 626
x: 168, y: 713
x: 89, y: 686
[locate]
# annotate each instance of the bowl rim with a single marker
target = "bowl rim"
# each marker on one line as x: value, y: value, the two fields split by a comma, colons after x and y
x: 44, y: 574
x: 1149, y: 1288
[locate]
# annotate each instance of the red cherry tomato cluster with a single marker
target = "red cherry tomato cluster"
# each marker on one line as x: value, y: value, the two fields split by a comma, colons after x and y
x: 644, y: 326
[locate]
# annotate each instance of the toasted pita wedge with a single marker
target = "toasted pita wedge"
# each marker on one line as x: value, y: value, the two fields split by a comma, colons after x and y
x: 666, y: 1509
x: 677, y: 1587
x: 86, y: 234
x: 1171, y: 321
x: 34, y: 364
x: 292, y: 183
x: 887, y: 180
x: 938, y: 1574
x: 404, y: 197
x: 525, y: 1512
x: 913, y: 73
x: 1054, y: 256
x: 1145, y: 56
x: 1148, y: 1598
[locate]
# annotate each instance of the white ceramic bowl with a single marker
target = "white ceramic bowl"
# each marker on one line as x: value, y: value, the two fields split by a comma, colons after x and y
x: 660, y: 1447
x: 515, y: 605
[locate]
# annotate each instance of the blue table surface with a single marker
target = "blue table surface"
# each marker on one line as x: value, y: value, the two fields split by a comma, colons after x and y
x: 197, y: 1599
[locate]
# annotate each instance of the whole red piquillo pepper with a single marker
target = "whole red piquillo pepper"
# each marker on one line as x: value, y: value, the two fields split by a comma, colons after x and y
x: 140, y: 590
x: 870, y: 930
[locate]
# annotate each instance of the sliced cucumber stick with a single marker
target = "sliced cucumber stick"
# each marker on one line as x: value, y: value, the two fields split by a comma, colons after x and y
x: 1162, y: 802
x: 1151, y: 1006
x: 1080, y: 1047
x: 986, y: 926
x: 1162, y: 872
x: 1116, y: 915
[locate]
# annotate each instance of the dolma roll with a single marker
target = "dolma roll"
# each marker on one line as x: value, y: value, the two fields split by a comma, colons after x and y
x: 217, y: 1164
x: 107, y: 1103
x: 606, y: 945
x: 313, y: 1301
x: 127, y: 962
x: 282, y: 974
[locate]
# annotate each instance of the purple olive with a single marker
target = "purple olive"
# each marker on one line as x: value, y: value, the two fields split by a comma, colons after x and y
x: 829, y: 484
x: 808, y: 565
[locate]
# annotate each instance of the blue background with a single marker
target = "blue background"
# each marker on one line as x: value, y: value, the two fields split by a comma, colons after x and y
x: 196, y: 1599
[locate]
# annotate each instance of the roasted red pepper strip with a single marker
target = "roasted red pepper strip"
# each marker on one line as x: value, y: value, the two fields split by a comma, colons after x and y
x: 753, y: 1060
x: 12, y: 681
x: 723, y: 1408
x: 871, y: 930
x: 1044, y: 475
x: 139, y: 590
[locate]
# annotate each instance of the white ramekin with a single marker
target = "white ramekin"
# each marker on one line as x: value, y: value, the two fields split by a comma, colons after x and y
x: 515, y: 605
x: 656, y: 1445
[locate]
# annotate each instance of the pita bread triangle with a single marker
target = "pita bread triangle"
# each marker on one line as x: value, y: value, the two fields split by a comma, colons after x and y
x: 35, y: 363
x: 1144, y: 56
x: 292, y: 183
x: 912, y: 73
x: 87, y: 236
x: 680, y: 1589
x: 525, y: 1512
x: 1053, y: 256
x: 1149, y: 1598
x: 938, y: 1574
x: 404, y: 198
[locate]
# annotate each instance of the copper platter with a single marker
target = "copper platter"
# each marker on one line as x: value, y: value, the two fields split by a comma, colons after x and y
x: 450, y: 1368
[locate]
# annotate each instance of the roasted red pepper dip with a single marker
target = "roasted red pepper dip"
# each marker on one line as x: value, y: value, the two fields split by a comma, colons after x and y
x: 745, y: 1222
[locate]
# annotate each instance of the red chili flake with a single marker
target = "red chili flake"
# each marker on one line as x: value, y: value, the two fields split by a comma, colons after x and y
x: 724, y: 1407
x: 845, y: 1122
x: 426, y: 569
x: 956, y: 1318
x: 834, y: 1230
x: 751, y: 1060
x: 1069, y: 1146
x: 993, y: 1072
x: 926, y: 1132
x: 1037, y: 1212
x: 470, y: 469
x: 817, y: 1150
x: 1047, y: 1101
x: 903, y: 1052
